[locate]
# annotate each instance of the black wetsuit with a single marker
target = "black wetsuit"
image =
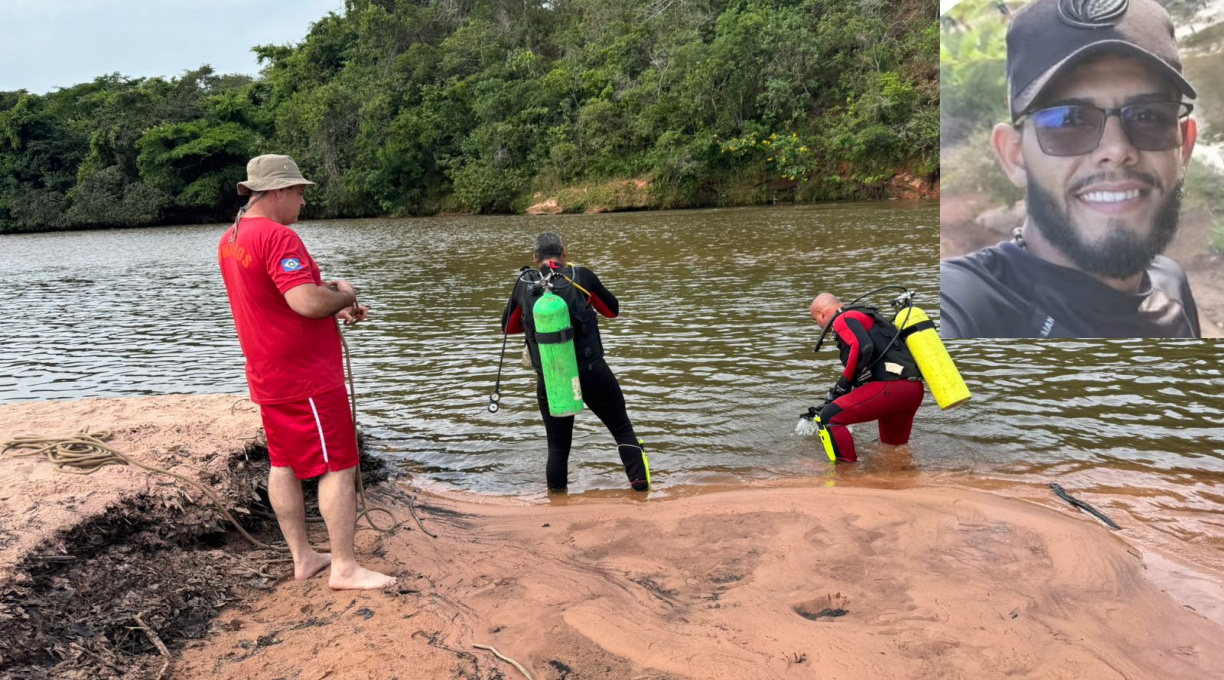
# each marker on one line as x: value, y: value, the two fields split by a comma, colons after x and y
x: 1006, y: 292
x: 585, y: 296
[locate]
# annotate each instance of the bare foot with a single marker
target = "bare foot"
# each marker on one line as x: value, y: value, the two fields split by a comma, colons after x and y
x: 359, y: 578
x: 311, y: 564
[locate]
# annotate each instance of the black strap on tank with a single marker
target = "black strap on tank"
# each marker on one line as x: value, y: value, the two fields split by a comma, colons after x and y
x: 920, y: 326
x: 555, y: 338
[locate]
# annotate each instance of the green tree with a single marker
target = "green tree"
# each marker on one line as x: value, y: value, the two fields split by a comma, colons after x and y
x: 416, y: 106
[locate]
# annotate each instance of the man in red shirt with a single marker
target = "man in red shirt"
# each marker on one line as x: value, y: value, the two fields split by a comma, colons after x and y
x: 880, y: 380
x: 283, y: 312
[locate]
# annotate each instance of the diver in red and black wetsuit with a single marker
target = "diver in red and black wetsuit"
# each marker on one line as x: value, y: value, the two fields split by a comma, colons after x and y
x: 880, y: 381
x: 584, y: 294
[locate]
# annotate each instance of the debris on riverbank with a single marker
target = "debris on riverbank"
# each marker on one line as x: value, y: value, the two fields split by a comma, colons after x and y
x: 101, y: 572
x: 120, y: 575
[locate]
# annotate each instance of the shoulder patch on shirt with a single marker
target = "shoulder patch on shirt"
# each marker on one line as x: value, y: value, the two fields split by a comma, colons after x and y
x: 291, y: 264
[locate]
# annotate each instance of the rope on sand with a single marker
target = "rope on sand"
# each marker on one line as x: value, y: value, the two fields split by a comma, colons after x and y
x: 411, y: 501
x: 506, y: 658
x: 85, y: 454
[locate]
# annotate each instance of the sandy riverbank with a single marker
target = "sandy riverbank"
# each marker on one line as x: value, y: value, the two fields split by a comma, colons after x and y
x: 788, y: 580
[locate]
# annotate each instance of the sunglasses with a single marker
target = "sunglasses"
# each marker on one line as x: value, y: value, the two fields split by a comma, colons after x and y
x: 1076, y: 129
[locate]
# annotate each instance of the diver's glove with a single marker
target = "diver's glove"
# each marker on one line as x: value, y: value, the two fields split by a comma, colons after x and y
x: 841, y: 389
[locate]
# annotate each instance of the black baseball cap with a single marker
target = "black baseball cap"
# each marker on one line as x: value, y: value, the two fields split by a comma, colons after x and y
x: 1048, y: 37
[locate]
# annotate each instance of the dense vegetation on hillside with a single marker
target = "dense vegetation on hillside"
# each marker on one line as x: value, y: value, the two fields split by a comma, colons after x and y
x: 417, y: 106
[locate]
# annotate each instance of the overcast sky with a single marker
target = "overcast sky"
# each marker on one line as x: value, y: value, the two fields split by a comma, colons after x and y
x: 48, y: 44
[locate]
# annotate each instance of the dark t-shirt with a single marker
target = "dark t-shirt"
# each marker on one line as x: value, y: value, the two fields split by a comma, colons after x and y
x: 1005, y: 292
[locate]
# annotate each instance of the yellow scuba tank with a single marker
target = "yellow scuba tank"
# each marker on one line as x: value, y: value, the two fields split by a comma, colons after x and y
x: 932, y: 357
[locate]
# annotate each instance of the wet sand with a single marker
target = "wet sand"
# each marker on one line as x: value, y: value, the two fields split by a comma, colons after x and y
x: 795, y: 579
x: 756, y: 583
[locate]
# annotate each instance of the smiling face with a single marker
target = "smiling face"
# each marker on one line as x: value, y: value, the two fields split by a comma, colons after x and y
x: 1113, y: 209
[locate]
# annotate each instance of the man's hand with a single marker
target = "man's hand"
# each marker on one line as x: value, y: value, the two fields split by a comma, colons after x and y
x: 348, y: 317
x: 353, y: 313
x: 841, y: 389
x: 342, y: 286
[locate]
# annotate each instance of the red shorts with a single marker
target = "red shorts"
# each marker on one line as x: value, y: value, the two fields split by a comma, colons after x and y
x: 312, y: 436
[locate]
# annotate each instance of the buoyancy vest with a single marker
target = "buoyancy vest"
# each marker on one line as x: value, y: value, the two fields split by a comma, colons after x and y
x: 896, y: 364
x: 587, y: 344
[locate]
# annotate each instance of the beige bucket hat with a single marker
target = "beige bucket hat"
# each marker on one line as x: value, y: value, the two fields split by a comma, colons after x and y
x: 270, y: 172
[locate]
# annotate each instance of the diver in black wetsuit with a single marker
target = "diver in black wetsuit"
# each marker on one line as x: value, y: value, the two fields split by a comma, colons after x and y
x: 585, y: 295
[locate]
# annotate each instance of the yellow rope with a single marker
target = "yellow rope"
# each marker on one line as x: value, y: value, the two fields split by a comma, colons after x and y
x: 575, y: 284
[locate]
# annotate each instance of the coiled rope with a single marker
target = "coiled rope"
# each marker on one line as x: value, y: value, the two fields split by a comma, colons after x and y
x: 85, y: 453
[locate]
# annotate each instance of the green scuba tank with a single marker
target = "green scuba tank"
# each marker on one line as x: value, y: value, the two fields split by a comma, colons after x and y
x: 558, y: 361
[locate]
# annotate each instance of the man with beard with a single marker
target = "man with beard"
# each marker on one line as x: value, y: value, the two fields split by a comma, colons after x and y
x: 1100, y: 140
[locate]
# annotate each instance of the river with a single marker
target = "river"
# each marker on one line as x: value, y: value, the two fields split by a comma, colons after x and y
x: 713, y: 349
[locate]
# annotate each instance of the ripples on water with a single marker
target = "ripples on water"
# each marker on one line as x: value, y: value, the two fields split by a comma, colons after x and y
x: 1136, y: 419
x: 713, y: 348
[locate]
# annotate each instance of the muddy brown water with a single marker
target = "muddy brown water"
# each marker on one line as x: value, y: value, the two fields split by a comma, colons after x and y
x: 713, y: 346
x: 713, y: 349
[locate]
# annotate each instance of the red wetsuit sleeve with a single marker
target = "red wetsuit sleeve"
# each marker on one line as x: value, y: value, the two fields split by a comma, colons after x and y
x: 603, y: 301
x: 512, y: 318
x: 852, y: 330
x: 515, y: 323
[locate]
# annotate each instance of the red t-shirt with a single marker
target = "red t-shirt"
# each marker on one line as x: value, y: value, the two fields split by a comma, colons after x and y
x: 288, y: 356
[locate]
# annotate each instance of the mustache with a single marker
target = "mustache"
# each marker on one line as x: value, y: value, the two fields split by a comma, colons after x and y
x: 1118, y: 176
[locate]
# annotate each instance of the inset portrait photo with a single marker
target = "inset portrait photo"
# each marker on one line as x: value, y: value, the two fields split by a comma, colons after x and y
x: 1082, y: 161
